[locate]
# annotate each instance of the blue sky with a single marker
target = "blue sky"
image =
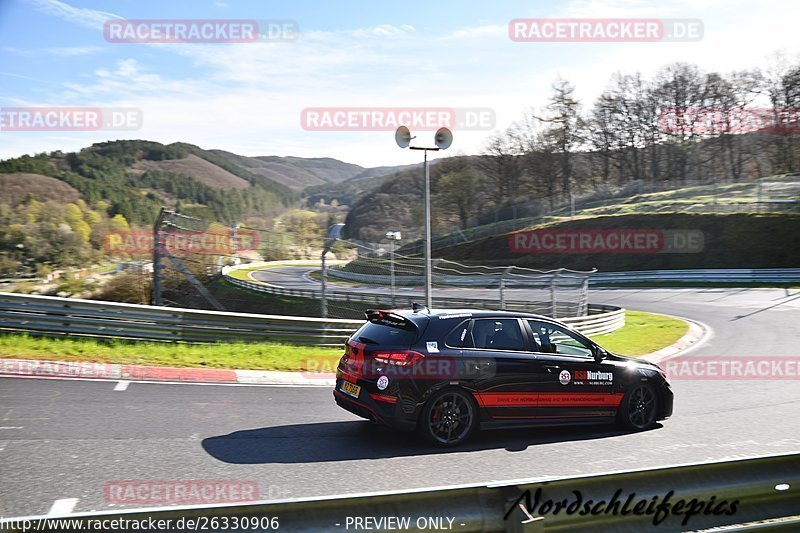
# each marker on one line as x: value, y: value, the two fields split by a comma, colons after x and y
x: 247, y: 98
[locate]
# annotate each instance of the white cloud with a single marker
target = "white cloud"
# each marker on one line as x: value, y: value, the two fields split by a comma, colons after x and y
x: 23, y: 52
x: 383, y: 30
x: 72, y: 51
x: 90, y: 18
x: 488, y: 30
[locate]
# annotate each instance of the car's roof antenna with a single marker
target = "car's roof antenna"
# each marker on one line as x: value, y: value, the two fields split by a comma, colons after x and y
x: 417, y: 307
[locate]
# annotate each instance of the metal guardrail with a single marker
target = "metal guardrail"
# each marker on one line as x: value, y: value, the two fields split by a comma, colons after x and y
x: 466, y: 280
x: 564, y: 292
x: 733, y: 275
x: 66, y: 316
x: 599, y: 320
x: 762, y: 488
x: 767, y: 275
x: 47, y: 315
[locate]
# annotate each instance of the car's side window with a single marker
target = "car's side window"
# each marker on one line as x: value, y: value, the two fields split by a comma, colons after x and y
x: 497, y: 334
x: 458, y: 338
x: 555, y: 339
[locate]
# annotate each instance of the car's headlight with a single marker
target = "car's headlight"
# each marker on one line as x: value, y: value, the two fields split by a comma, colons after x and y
x: 653, y: 372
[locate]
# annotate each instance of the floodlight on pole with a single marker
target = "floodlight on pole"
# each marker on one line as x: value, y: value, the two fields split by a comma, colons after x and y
x: 392, y: 236
x: 443, y: 139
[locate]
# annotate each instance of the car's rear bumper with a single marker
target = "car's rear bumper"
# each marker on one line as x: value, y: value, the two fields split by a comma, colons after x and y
x: 365, y: 406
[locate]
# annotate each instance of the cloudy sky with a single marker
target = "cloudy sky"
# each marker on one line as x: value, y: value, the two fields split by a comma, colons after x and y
x: 248, y: 98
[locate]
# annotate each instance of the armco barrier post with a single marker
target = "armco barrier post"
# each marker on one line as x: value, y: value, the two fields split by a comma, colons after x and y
x: 583, y: 302
x: 503, y: 287
x: 553, y: 302
x: 323, y: 302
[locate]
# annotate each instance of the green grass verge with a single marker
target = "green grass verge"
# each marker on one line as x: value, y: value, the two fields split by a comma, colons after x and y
x: 242, y: 272
x: 253, y: 356
x: 643, y: 333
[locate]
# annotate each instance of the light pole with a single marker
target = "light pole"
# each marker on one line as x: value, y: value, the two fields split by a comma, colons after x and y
x: 392, y: 236
x: 334, y: 231
x: 443, y: 139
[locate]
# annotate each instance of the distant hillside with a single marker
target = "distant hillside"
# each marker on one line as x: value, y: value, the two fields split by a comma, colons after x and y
x: 199, y: 169
x: 347, y: 192
x: 18, y: 186
x: 395, y: 203
x: 137, y: 177
x: 300, y: 173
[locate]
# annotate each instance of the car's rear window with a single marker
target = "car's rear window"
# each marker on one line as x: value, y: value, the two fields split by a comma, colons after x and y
x: 371, y: 333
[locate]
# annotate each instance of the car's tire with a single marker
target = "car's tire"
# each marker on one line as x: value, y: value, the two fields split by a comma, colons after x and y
x: 639, y: 408
x: 448, y: 418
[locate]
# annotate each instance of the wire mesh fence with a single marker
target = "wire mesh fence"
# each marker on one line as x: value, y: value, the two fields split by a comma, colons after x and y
x: 397, y: 280
x: 189, y: 253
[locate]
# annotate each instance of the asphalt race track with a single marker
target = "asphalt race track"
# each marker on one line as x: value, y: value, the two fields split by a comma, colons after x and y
x: 67, y: 439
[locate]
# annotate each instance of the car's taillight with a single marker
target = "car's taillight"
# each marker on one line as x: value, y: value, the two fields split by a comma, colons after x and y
x: 404, y: 358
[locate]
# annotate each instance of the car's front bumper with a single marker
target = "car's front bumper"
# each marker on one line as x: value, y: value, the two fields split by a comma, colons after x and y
x: 667, y: 400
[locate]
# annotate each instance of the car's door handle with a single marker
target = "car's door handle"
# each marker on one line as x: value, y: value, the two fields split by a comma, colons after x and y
x: 552, y: 368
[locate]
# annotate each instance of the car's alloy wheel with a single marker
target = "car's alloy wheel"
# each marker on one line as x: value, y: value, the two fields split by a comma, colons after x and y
x: 639, y: 407
x: 448, y: 418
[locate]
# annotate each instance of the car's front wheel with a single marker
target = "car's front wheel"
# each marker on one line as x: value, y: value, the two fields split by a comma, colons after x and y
x: 448, y: 418
x: 638, y: 409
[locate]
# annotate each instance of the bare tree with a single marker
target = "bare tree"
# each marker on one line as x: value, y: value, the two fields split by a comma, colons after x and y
x: 780, y: 84
x: 562, y: 134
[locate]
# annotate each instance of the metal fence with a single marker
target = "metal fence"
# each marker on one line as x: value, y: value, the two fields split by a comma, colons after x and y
x: 47, y: 315
x: 559, y: 293
x: 597, y: 319
x: 726, y: 493
x: 735, y: 275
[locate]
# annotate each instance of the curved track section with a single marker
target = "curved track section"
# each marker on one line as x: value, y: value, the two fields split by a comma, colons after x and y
x: 69, y: 439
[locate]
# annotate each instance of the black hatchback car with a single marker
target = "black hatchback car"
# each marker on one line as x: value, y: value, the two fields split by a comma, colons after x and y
x: 446, y: 373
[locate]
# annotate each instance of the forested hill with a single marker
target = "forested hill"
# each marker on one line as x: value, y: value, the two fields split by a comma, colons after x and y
x: 135, y: 178
x: 301, y: 173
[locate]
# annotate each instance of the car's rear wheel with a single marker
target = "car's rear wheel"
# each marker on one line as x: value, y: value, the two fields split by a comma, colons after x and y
x: 638, y: 409
x: 448, y: 418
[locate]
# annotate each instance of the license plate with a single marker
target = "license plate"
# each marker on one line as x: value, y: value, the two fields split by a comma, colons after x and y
x: 350, y: 388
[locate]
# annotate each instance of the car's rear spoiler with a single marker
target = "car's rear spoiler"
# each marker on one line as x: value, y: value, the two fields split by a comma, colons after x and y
x: 388, y: 318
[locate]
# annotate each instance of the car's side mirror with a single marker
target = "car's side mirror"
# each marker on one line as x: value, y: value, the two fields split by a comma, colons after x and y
x: 599, y: 353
